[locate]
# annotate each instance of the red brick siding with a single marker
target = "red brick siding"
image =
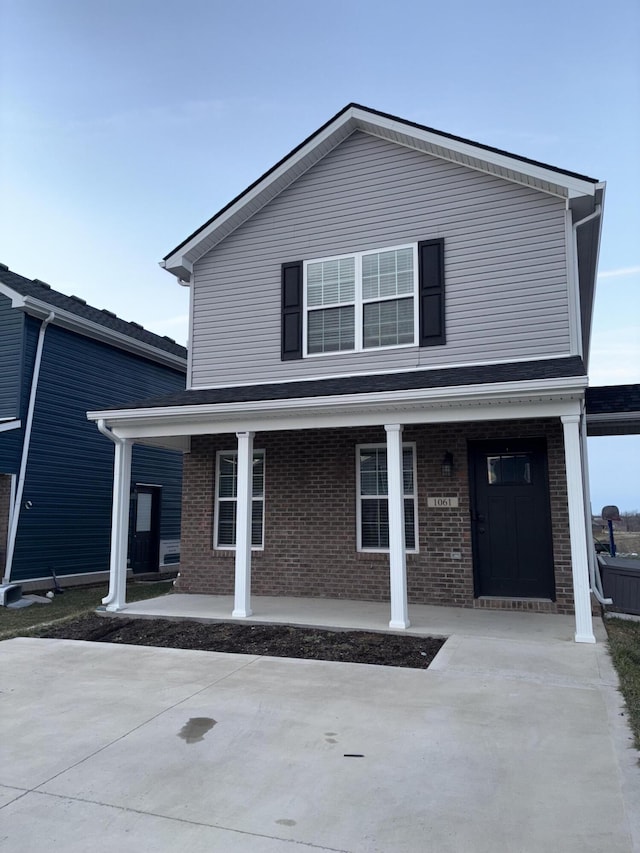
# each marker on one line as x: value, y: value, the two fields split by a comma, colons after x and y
x: 310, y: 516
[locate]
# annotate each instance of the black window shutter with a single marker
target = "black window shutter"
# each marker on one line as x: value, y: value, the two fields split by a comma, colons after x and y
x: 431, y: 284
x: 291, y: 330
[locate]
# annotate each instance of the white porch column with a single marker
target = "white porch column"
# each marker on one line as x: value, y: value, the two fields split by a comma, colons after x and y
x: 578, y: 533
x: 397, y: 556
x: 117, y: 595
x: 244, y: 494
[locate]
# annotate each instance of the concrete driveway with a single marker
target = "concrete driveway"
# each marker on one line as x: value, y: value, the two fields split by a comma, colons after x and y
x: 499, y: 746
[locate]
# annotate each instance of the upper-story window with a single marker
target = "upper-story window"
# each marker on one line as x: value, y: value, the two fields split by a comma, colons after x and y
x: 374, y: 300
x: 366, y: 300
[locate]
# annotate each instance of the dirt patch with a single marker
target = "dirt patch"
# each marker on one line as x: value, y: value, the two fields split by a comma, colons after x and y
x: 273, y: 640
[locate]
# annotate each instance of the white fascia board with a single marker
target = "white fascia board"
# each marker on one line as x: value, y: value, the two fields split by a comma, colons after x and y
x: 537, y: 398
x: 82, y: 326
x: 355, y: 119
x: 9, y: 423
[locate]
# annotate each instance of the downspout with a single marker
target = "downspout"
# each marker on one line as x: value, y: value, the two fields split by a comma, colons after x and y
x: 15, y: 513
x: 596, y: 212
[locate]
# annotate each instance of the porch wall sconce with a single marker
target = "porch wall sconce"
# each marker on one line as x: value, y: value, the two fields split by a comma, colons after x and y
x: 446, y: 466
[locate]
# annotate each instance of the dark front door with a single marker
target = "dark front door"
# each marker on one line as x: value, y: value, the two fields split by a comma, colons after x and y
x: 144, y: 549
x: 511, y: 521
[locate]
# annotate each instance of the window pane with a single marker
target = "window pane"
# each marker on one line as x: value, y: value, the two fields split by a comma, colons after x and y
x: 387, y: 273
x: 329, y: 282
x: 143, y: 512
x: 227, y: 523
x: 509, y: 469
x: 227, y: 481
x: 258, y: 475
x: 373, y: 471
x: 388, y: 323
x: 375, y: 523
x: 256, y: 523
x: 407, y: 470
x: 409, y: 524
x: 331, y: 330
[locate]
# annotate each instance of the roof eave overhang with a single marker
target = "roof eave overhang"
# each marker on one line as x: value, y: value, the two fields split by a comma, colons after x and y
x: 180, y: 261
x: 83, y: 326
x: 535, y: 398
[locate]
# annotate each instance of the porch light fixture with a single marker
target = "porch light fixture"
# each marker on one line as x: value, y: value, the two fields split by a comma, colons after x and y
x: 446, y: 466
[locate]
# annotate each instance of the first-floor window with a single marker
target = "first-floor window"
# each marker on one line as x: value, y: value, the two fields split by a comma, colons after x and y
x: 227, y: 499
x: 373, y: 498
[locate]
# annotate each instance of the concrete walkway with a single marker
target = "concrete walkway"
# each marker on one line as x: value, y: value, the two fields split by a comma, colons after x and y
x: 513, y: 746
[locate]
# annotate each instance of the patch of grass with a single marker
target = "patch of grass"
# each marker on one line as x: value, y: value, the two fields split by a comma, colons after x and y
x: 624, y: 642
x: 73, y: 602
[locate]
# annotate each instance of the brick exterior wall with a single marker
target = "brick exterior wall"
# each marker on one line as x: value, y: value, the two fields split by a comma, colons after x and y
x: 5, y: 500
x: 310, y: 517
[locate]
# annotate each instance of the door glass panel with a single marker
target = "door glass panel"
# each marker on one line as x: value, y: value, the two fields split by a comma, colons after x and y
x: 509, y: 469
x: 143, y: 516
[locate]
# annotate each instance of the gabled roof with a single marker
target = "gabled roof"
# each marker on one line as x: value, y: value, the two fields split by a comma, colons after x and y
x: 38, y: 299
x: 355, y: 117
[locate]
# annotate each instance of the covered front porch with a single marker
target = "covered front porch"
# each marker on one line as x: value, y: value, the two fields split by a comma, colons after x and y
x: 240, y: 422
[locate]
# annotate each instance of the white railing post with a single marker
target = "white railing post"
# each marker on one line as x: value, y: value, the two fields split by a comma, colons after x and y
x: 244, y: 495
x: 117, y: 595
x: 397, y: 557
x: 578, y: 534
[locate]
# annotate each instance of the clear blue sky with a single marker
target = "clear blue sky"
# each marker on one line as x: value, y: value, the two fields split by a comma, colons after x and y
x: 125, y: 124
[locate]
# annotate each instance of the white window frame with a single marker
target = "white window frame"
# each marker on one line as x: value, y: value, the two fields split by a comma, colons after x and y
x: 367, y: 446
x: 217, y: 500
x: 358, y: 302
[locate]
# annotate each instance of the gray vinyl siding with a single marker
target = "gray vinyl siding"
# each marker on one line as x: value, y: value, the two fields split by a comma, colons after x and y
x: 505, y: 265
x: 11, y: 331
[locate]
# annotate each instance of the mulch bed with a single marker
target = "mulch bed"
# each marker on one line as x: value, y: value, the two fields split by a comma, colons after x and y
x: 274, y: 640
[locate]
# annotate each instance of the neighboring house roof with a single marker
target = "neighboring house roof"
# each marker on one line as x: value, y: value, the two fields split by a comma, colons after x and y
x: 38, y: 299
x: 522, y: 371
x: 613, y: 410
x: 355, y: 117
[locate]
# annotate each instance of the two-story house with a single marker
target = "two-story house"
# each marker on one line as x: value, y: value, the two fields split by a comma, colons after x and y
x: 389, y: 337
x: 59, y: 357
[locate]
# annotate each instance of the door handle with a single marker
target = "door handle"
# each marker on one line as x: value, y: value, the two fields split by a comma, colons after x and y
x: 481, y: 530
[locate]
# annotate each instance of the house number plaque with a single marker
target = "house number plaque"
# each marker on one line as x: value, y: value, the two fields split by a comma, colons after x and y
x: 443, y: 503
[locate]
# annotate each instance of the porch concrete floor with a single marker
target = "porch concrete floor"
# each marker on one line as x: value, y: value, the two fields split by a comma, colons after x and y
x: 426, y: 620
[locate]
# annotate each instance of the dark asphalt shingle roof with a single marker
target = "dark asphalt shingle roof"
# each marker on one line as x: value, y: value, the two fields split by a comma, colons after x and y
x: 555, y: 368
x: 74, y: 305
x: 613, y: 399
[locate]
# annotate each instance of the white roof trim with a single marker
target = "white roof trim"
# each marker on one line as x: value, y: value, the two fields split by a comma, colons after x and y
x: 9, y: 423
x: 180, y: 261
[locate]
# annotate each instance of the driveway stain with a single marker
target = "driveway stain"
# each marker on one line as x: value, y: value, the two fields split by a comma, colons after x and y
x: 196, y: 728
x: 285, y: 822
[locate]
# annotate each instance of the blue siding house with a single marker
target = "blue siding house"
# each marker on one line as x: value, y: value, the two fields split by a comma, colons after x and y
x: 59, y: 357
